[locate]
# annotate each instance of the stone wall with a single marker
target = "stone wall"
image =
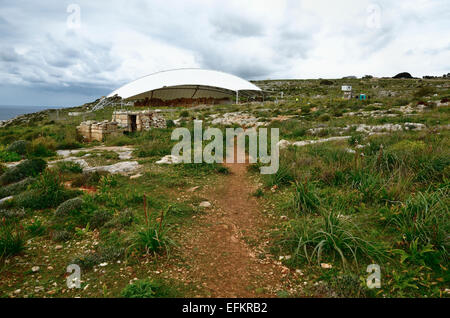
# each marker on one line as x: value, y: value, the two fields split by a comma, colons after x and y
x: 121, y: 121
x: 145, y: 120
x: 92, y: 130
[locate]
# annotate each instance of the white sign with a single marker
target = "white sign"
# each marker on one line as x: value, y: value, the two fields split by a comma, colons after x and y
x: 346, y: 88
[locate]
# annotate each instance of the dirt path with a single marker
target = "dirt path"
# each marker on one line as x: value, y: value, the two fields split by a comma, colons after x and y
x: 226, y: 251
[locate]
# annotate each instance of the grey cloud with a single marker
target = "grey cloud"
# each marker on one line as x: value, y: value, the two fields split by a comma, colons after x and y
x: 236, y: 26
x: 38, y: 51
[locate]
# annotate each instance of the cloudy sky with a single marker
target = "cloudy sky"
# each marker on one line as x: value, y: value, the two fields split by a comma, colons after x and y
x: 66, y: 53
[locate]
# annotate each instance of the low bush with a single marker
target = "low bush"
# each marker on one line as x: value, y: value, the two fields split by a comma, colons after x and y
x: 123, y: 219
x: 7, y: 156
x: 27, y: 168
x: 15, y: 188
x: 306, y: 198
x: 88, y: 179
x: 46, y: 192
x: 61, y: 235
x: 69, y: 166
x: 147, y: 289
x: 69, y: 207
x: 36, y: 228
x: 20, y: 147
x: 283, y: 176
x: 12, y: 241
x: 104, y: 253
x: 424, y: 217
x: 99, y: 218
x: 333, y: 238
x: 153, y: 238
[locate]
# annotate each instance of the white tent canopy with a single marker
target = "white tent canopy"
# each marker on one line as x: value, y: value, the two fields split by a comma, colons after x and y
x: 186, y: 83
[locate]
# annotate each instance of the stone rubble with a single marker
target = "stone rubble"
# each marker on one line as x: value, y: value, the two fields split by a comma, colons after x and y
x: 169, y: 159
x: 239, y: 118
x: 124, y: 167
x: 284, y: 143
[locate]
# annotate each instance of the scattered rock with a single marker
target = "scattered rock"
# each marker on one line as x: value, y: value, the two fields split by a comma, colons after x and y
x: 123, y: 167
x: 6, y: 199
x: 193, y: 189
x: 169, y: 159
x: 239, y: 118
x: 283, y: 144
x: 326, y: 266
x: 205, y: 204
x: 35, y: 269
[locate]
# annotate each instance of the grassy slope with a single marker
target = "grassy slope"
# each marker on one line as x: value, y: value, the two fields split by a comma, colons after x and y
x: 375, y: 200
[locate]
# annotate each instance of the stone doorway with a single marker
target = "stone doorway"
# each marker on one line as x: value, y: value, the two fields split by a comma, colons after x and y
x: 133, y: 123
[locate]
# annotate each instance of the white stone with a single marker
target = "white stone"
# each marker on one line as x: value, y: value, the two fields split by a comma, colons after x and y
x: 6, y: 199
x: 205, y: 204
x: 123, y: 167
x: 169, y: 159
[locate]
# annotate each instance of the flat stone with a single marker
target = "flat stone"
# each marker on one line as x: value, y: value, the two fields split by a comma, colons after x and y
x: 205, y: 204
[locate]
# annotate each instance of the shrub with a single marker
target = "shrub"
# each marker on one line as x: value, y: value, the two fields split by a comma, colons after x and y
x: 170, y: 123
x: 104, y: 253
x: 326, y: 82
x: 15, y: 188
x: 11, y: 215
x: 333, y: 238
x: 153, y: 239
x: 46, y: 192
x: 61, y: 236
x: 43, y: 147
x: 283, y: 176
x: 424, y: 217
x: 355, y: 139
x: 184, y: 113
x: 306, y: 199
x: 424, y: 91
x: 305, y: 109
x: 88, y: 179
x: 36, y: 228
x: 156, y: 147
x: 12, y: 241
x: 27, y: 168
x: 324, y: 117
x: 69, y: 166
x: 2, y: 169
x: 121, y: 140
x: 20, y: 147
x: 69, y: 207
x: 99, y: 218
x: 123, y: 219
x: 7, y: 156
x: 147, y: 289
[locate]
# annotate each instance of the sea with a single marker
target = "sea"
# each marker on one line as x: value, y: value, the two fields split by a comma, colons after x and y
x: 11, y: 111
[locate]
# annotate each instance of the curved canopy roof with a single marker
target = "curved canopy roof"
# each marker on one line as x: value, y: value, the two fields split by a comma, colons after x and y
x: 187, y: 83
